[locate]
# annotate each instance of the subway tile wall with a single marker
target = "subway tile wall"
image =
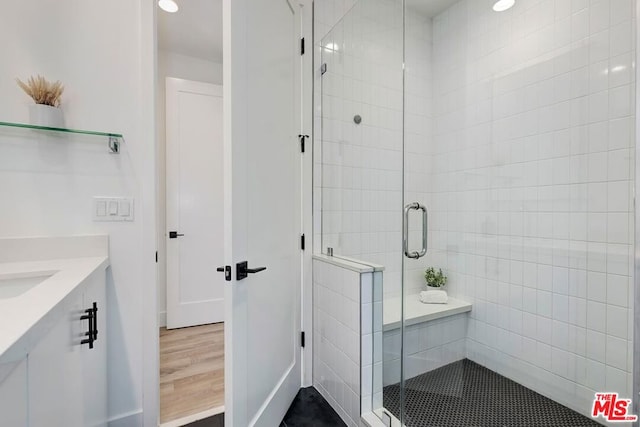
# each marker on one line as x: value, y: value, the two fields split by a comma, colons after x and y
x: 359, y: 178
x: 531, y: 183
x: 358, y: 167
x: 372, y: 345
x: 427, y: 346
x: 337, y: 337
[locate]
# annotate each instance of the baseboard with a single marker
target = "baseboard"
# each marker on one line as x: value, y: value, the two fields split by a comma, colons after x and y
x: 133, y: 419
x: 162, y: 319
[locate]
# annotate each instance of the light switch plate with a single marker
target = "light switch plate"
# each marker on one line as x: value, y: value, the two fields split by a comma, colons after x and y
x: 112, y: 209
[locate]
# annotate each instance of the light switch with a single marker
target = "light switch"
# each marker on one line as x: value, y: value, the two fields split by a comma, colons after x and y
x: 113, y: 208
x: 124, y: 208
x: 101, y: 208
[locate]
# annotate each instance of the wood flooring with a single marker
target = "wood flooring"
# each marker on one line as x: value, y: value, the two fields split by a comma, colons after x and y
x: 191, y: 370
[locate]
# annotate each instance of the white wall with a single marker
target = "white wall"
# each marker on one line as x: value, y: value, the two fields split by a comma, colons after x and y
x: 98, y: 51
x: 171, y: 64
x: 531, y: 188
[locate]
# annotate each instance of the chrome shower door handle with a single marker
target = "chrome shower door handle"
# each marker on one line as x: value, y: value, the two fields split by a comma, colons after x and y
x: 405, y: 230
x: 425, y: 230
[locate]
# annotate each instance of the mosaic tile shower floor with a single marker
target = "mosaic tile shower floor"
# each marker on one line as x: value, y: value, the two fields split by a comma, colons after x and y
x: 465, y: 394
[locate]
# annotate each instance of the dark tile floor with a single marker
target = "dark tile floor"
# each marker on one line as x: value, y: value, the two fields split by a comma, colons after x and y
x: 309, y: 409
x: 465, y: 394
x: 215, y: 421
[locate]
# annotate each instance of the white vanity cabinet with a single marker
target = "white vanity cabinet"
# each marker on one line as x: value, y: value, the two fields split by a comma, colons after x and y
x: 13, y: 393
x: 53, y: 335
x: 67, y: 380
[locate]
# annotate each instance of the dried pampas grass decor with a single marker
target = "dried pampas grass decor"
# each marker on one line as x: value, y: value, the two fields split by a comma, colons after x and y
x: 42, y: 91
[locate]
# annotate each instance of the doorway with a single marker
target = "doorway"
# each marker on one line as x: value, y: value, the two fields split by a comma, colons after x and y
x: 263, y: 224
x: 194, y: 203
x: 190, y: 212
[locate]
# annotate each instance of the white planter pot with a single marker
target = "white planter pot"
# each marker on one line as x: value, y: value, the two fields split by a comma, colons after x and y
x: 46, y: 115
x: 435, y: 288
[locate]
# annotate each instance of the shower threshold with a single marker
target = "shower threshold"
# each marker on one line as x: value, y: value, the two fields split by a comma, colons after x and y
x: 465, y: 394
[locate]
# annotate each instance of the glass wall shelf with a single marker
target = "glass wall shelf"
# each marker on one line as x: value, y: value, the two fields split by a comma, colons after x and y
x: 114, y: 139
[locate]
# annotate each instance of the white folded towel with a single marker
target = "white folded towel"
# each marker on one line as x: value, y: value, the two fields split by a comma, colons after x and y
x: 434, y: 297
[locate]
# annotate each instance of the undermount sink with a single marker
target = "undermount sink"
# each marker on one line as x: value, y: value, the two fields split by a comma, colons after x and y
x: 15, y: 285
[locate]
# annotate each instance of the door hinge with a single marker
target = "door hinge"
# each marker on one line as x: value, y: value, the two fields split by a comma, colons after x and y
x: 301, y: 46
x: 302, y: 140
x: 302, y: 242
x: 156, y: 256
x: 302, y: 339
x: 323, y: 68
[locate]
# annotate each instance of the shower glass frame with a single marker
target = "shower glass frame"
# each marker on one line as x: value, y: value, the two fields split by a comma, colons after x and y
x: 339, y: 183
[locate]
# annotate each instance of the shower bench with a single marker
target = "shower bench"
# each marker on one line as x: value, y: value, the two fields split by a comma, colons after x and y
x: 434, y: 336
x: 418, y: 312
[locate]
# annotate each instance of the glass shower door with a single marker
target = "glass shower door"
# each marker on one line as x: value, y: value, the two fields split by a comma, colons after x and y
x: 519, y: 143
x: 360, y: 165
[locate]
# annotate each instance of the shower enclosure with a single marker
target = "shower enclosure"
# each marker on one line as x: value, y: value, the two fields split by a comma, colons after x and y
x: 500, y: 148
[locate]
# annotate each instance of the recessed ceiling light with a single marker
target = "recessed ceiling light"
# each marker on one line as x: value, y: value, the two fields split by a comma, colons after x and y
x: 331, y: 46
x: 168, y: 5
x: 502, y: 5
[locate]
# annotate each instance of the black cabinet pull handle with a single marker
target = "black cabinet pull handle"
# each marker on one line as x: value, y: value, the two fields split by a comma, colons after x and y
x: 89, y: 317
x: 92, y: 316
x: 95, y: 321
x: 174, y: 234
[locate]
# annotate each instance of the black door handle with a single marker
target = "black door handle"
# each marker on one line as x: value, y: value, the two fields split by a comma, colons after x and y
x: 243, y: 270
x: 174, y: 234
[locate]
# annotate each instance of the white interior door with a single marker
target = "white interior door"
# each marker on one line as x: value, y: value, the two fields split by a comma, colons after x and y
x: 262, y: 209
x: 195, y: 203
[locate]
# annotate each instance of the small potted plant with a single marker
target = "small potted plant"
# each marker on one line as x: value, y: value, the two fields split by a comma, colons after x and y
x: 46, y: 111
x: 435, y: 279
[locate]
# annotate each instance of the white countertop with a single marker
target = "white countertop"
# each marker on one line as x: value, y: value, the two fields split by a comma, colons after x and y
x: 417, y: 312
x: 24, y: 317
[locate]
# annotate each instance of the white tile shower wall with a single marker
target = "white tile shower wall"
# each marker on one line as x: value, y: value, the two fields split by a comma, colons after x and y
x: 327, y: 13
x: 358, y: 168
x: 361, y: 164
x: 427, y: 346
x: 371, y: 343
x: 336, y: 355
x: 530, y: 188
